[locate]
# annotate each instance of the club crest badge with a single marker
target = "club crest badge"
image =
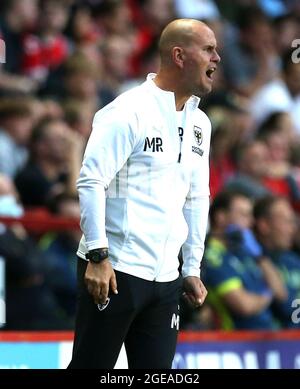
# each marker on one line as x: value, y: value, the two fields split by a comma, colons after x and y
x: 198, y: 135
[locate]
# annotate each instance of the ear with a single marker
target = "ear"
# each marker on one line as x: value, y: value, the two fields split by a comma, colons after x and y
x: 178, y: 56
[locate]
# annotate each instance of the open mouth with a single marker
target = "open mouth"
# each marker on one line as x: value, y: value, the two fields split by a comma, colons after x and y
x: 210, y: 73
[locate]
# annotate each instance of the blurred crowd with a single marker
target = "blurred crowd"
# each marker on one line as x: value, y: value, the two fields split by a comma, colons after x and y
x: 65, y: 59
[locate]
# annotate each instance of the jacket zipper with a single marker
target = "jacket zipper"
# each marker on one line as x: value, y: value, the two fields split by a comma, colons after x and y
x: 180, y: 134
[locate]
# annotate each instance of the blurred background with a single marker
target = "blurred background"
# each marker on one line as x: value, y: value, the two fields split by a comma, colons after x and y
x: 60, y: 62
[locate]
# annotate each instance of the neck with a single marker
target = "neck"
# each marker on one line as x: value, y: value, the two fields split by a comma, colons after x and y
x: 165, y: 81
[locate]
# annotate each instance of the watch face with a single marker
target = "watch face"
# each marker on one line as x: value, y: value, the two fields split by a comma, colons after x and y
x: 97, y: 256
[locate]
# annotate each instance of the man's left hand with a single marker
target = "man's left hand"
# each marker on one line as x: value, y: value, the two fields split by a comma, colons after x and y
x: 194, y: 291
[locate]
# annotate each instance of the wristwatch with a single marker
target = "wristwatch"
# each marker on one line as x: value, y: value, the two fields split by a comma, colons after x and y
x: 97, y: 255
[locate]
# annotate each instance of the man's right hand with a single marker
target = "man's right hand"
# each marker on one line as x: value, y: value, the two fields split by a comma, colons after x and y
x: 99, y: 278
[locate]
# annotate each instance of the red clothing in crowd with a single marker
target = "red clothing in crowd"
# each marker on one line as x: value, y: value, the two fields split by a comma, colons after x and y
x: 41, y: 56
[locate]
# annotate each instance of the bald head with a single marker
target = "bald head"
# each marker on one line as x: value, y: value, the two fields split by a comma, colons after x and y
x: 180, y: 32
x: 188, y: 51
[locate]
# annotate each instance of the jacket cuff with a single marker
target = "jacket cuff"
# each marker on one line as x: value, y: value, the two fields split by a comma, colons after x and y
x: 190, y: 272
x: 96, y: 244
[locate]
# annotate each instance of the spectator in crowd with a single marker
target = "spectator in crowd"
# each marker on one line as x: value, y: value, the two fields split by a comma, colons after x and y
x: 278, y: 146
x: 279, y: 179
x: 236, y: 282
x: 280, y: 121
x: 148, y: 63
x: 252, y: 165
x: 76, y: 79
x: 54, y: 164
x: 83, y: 33
x: 235, y: 107
x: 150, y: 16
x: 113, y: 17
x: 45, y: 109
x: 47, y: 48
x: 222, y: 166
x: 18, y: 17
x: 275, y: 224
x: 30, y: 301
x: 16, y: 121
x: 232, y: 125
x: 82, y: 27
x: 280, y: 94
x: 59, y: 248
x: 249, y: 61
x: 116, y: 54
x: 78, y: 116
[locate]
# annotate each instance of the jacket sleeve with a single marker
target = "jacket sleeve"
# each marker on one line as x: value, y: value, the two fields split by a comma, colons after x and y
x: 111, y: 142
x: 195, y: 212
x: 196, y: 215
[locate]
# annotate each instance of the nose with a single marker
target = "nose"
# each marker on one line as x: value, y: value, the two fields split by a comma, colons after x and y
x: 216, y: 58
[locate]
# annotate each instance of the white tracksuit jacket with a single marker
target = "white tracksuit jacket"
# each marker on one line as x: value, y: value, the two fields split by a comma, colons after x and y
x: 137, y: 195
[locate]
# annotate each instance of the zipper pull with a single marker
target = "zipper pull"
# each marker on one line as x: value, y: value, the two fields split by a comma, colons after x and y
x: 179, y: 157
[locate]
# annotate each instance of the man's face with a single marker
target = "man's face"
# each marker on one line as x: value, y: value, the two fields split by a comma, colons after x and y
x: 56, y: 142
x: 28, y: 11
x: 20, y: 128
x: 281, y: 225
x: 255, y: 160
x: 240, y: 212
x: 201, y: 61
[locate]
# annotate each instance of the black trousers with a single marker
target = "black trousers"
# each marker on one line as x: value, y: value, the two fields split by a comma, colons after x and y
x: 144, y: 316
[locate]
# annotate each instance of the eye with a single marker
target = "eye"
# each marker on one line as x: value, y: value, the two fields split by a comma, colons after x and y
x: 209, y: 49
